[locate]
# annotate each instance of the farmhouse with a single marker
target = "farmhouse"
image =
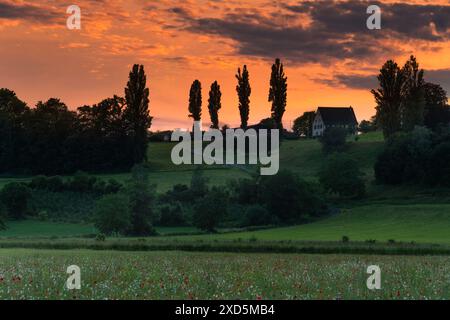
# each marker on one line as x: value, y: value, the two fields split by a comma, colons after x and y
x: 327, y: 117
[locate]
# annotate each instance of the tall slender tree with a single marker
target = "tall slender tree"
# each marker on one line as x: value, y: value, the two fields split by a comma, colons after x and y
x: 195, y: 101
x: 389, y: 97
x: 413, y: 105
x: 214, y: 104
x: 136, y: 114
x: 278, y: 92
x: 244, y: 91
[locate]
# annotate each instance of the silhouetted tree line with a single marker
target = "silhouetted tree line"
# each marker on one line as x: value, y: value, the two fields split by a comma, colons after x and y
x: 277, y: 96
x: 405, y: 100
x: 51, y: 139
x: 418, y: 157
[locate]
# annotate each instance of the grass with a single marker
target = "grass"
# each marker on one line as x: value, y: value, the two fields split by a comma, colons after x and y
x: 33, y: 228
x: 424, y: 223
x: 29, y: 274
x: 45, y: 229
x: 399, y: 213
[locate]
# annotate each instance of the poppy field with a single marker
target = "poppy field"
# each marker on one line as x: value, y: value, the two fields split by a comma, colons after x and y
x: 41, y: 274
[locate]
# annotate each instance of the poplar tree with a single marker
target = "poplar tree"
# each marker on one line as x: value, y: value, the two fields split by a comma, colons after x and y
x: 244, y: 91
x: 278, y: 92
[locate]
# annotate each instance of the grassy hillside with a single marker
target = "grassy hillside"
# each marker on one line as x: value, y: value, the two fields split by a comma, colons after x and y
x: 399, y: 213
x: 424, y: 223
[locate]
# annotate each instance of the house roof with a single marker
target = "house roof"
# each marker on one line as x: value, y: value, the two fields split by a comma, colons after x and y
x: 337, y: 115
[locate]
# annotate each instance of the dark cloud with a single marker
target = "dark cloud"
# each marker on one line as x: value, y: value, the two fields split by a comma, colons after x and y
x: 295, y: 44
x: 12, y: 11
x: 399, y: 19
x: 337, y: 30
x: 440, y: 76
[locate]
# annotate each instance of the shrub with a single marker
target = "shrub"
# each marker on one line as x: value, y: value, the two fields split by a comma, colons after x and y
x: 405, y: 158
x: 345, y: 239
x: 244, y: 191
x: 2, y: 216
x: 82, y: 182
x: 341, y: 175
x: 171, y: 215
x: 289, y: 198
x: 112, y: 214
x: 257, y: 215
x: 141, y: 197
x: 42, y: 215
x: 439, y: 168
x: 199, y: 186
x: 100, y: 237
x: 209, y: 210
x: 334, y: 139
x: 65, y: 206
x: 15, y: 196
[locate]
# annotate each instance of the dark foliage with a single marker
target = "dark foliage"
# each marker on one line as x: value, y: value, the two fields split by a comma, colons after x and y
x: 334, y: 139
x: 210, y: 209
x: 342, y: 176
x: 112, y: 214
x: 437, y: 112
x: 419, y: 157
x: 195, y: 101
x: 278, y: 92
x: 289, y: 198
x: 50, y: 139
x: 136, y: 116
x: 257, y: 215
x: 303, y: 125
x: 366, y: 126
x: 244, y: 91
x: 141, y: 203
x: 214, y: 104
x: 389, y: 97
x: 15, y: 197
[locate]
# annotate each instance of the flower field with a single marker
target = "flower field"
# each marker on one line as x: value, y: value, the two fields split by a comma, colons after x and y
x: 41, y: 274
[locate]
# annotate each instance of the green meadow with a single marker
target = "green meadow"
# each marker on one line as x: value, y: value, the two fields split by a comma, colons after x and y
x: 405, y: 230
x: 411, y: 214
x: 41, y: 274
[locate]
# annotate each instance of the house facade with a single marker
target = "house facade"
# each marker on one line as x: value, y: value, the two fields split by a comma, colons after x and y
x: 328, y: 117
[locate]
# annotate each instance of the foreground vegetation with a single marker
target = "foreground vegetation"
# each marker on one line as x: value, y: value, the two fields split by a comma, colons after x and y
x: 26, y: 274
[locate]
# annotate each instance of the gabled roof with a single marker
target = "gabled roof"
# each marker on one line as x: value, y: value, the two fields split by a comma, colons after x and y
x: 337, y: 115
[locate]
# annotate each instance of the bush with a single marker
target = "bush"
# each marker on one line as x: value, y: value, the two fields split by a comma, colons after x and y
x: 15, y: 196
x: 171, y: 215
x: 42, y: 215
x: 334, y: 139
x: 341, y: 175
x: 257, y: 215
x: 112, y: 214
x: 65, y: 206
x: 82, y: 182
x: 244, y: 191
x: 2, y: 216
x: 199, y: 184
x: 209, y: 210
x: 100, y: 237
x: 439, y: 168
x: 55, y: 183
x: 406, y: 158
x: 345, y: 239
x: 289, y: 198
x: 141, y: 197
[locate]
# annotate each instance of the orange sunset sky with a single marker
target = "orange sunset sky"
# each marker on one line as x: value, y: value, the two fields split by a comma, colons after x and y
x: 330, y: 57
